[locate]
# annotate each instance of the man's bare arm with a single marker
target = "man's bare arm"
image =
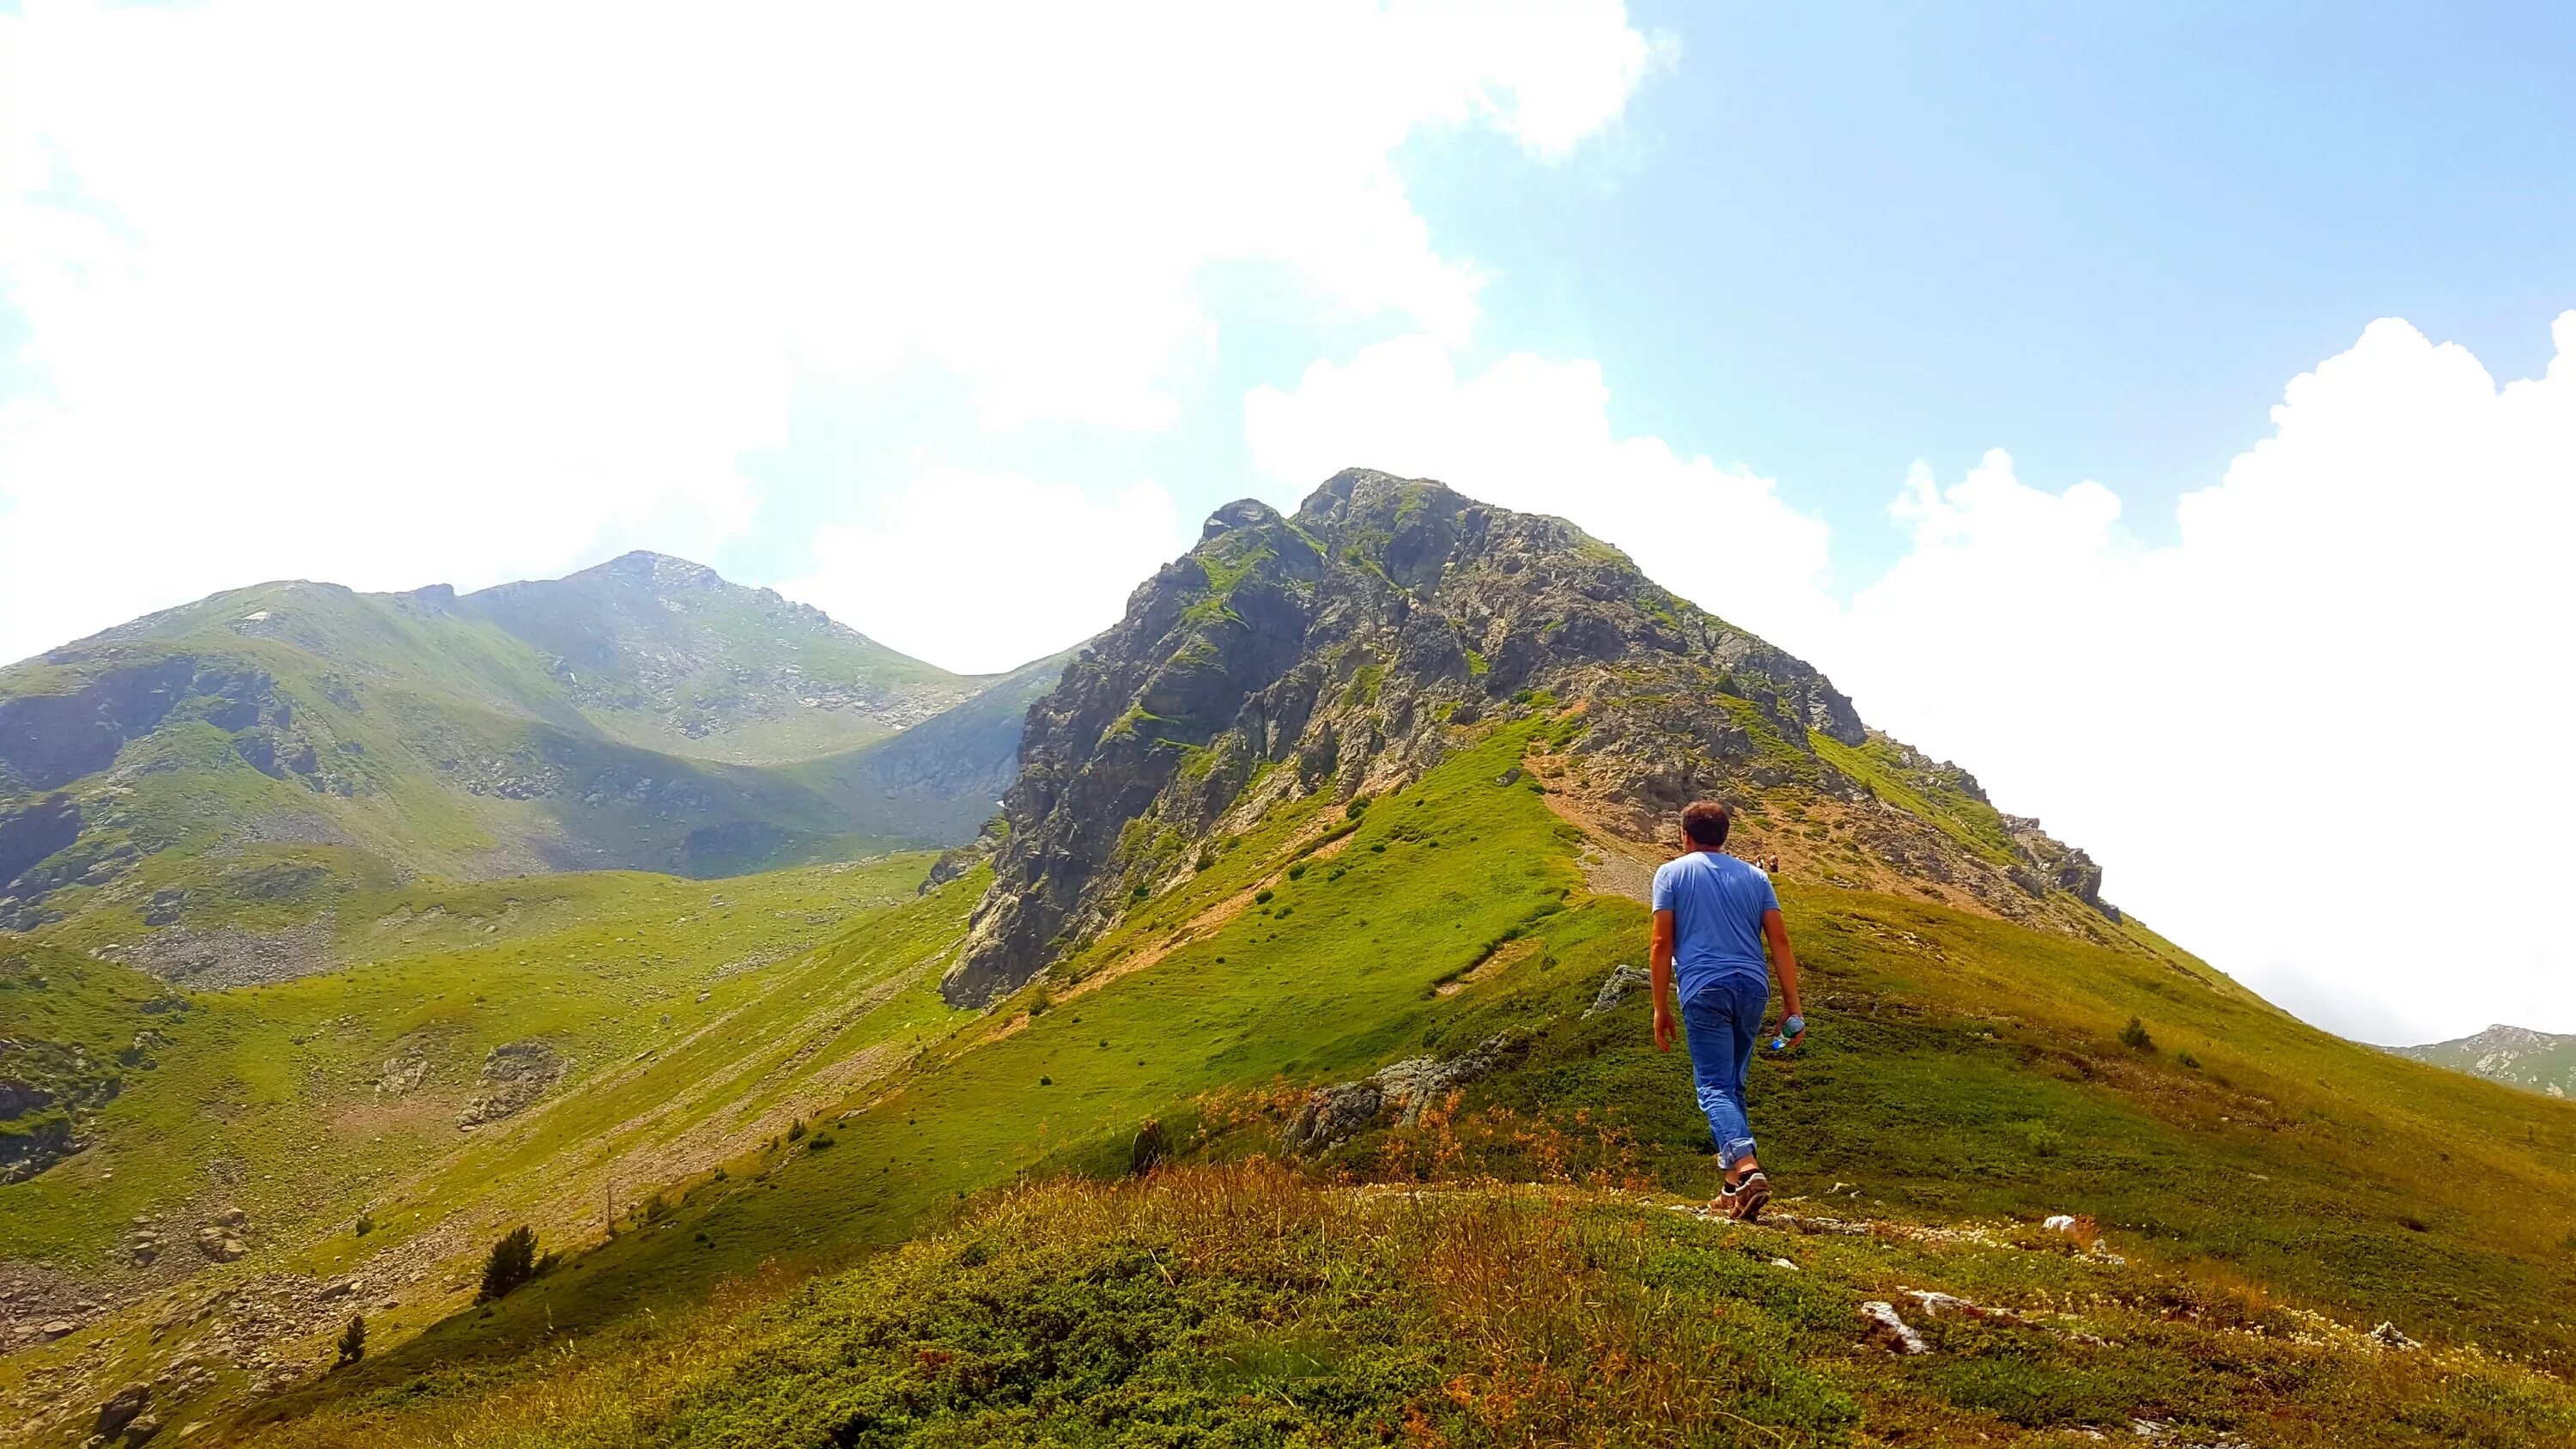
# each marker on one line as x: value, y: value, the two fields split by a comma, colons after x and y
x: 1659, y: 959
x: 1785, y: 962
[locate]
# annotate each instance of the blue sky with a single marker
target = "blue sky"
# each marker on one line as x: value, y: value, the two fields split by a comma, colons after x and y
x: 1849, y: 237
x: 1828, y: 241
x: 2024, y: 368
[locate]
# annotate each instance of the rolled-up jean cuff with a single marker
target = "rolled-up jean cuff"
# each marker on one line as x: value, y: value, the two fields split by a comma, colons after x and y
x: 1735, y: 1150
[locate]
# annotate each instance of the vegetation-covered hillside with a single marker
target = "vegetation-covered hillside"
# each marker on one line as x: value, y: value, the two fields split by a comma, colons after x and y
x: 1333, y: 1118
x: 210, y: 792
x: 1967, y: 1079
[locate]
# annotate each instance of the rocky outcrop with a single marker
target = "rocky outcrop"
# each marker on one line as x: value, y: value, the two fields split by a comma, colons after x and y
x: 1335, y: 1114
x: 123, y: 1409
x: 1349, y: 647
x: 33, y: 831
x: 2057, y: 865
x: 1622, y: 983
x: 222, y: 1239
x: 1341, y: 644
x: 515, y: 1075
x: 1884, y: 1331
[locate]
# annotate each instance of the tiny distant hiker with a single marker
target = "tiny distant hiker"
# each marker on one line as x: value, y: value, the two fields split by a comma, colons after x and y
x: 1713, y: 914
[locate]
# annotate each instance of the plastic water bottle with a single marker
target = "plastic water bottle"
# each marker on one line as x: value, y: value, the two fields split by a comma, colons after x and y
x: 1792, y: 1027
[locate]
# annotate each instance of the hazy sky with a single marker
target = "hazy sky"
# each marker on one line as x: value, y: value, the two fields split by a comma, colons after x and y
x: 2157, y: 412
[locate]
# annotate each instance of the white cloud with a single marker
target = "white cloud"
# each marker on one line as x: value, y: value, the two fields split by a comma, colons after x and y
x: 2312, y: 739
x: 983, y: 572
x: 392, y: 293
x: 1533, y: 434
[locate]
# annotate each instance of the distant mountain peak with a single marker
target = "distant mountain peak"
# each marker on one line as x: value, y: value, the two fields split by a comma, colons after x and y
x: 2518, y: 1056
x: 661, y: 570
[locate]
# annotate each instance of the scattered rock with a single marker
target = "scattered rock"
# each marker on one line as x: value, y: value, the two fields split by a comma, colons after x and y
x: 2388, y: 1336
x: 401, y: 1074
x: 1888, y: 1333
x: 220, y: 1245
x: 1623, y: 982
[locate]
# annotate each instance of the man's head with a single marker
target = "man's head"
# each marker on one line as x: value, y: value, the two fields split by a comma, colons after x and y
x: 1704, y: 823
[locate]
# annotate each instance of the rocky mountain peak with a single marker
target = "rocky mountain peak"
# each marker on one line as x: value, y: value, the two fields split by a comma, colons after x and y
x: 656, y: 571
x: 1357, y: 641
x: 2516, y: 1055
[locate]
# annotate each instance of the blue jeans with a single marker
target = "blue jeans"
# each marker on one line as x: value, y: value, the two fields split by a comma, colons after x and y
x: 1720, y: 1024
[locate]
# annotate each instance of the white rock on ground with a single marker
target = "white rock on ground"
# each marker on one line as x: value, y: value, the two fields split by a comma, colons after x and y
x: 1888, y: 1332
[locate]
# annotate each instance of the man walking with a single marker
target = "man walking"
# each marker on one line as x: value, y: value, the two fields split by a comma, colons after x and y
x: 1713, y: 914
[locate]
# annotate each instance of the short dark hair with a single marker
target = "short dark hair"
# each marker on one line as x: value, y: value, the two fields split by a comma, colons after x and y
x: 1705, y: 822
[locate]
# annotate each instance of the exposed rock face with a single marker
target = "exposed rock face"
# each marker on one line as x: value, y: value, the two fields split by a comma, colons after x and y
x: 515, y: 1075
x: 1352, y: 646
x: 2060, y: 866
x: 19, y: 1098
x: 123, y: 1408
x: 34, y: 831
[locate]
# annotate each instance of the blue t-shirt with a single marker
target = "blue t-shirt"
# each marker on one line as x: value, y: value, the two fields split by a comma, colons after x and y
x: 1717, y: 903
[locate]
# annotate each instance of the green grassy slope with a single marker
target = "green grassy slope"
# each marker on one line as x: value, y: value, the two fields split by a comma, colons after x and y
x: 695, y: 1020
x: 1257, y: 1306
x: 1962, y: 1069
x: 269, y: 1096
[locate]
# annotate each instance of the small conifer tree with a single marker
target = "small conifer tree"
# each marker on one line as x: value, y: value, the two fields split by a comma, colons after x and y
x: 513, y: 1261
x: 353, y: 1340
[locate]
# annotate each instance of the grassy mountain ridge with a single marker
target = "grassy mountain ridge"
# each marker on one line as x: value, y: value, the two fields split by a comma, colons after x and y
x: 1355, y: 798
x: 200, y: 789
x: 1966, y: 1071
x: 1337, y: 647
